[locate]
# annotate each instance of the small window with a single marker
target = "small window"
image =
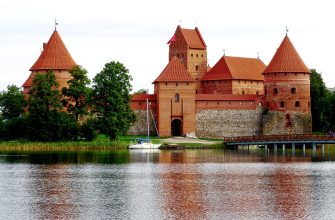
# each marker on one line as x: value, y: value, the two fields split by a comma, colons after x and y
x: 191, y: 54
x: 176, y: 84
x: 218, y: 103
x: 293, y: 90
x: 282, y: 104
x: 257, y: 93
x: 297, y: 104
x: 176, y: 97
x: 187, y: 83
x: 166, y: 84
x: 275, y: 91
x: 196, y: 67
x: 196, y: 55
x: 243, y: 92
x: 202, y: 55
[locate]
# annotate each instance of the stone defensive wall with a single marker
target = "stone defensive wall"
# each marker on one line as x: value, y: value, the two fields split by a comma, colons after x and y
x: 139, y: 105
x: 279, y: 123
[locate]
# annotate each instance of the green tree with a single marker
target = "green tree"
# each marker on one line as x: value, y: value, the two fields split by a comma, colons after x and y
x: 12, y: 106
x: 46, y: 121
x: 75, y: 96
x: 320, y: 103
x: 141, y: 91
x: 111, y: 100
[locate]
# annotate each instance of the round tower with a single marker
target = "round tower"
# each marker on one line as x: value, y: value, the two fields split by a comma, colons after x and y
x: 287, y: 92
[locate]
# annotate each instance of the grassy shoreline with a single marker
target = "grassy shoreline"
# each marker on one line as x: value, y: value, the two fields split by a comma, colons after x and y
x: 101, y: 143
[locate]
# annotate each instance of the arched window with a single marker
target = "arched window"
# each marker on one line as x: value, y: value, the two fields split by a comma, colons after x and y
x: 196, y: 67
x: 282, y: 104
x: 293, y: 91
x: 275, y: 91
x: 176, y: 97
x: 297, y: 104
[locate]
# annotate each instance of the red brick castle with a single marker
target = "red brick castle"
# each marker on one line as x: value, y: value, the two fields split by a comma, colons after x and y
x: 237, y: 96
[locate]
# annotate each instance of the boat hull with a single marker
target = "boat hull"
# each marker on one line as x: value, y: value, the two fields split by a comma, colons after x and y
x: 144, y: 146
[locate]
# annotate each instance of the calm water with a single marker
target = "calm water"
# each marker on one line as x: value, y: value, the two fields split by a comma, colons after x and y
x: 183, y: 184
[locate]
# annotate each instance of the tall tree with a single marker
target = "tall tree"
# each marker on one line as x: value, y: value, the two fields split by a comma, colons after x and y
x: 111, y: 100
x: 319, y: 102
x: 46, y: 121
x: 75, y: 96
x: 12, y: 103
x: 12, y: 106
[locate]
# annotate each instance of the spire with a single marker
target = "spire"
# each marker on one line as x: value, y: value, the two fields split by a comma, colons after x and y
x: 56, y: 23
x: 286, y: 60
x: 54, y: 56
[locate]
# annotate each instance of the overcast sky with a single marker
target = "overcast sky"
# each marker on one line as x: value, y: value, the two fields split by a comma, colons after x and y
x: 136, y: 32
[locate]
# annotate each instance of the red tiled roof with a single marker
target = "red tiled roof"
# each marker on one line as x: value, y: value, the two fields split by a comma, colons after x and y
x: 286, y: 59
x: 236, y: 68
x: 143, y: 97
x: 29, y: 81
x: 225, y: 97
x: 174, y: 72
x: 193, y: 38
x: 54, y: 56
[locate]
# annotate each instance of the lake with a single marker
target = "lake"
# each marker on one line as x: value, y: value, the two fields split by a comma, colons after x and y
x: 167, y: 184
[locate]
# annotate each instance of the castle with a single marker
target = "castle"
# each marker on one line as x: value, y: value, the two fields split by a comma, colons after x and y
x: 236, y: 97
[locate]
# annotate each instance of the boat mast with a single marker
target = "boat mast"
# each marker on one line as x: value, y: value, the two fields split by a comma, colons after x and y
x: 148, y: 119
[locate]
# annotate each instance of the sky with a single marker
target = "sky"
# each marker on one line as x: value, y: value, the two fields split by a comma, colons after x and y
x: 135, y: 33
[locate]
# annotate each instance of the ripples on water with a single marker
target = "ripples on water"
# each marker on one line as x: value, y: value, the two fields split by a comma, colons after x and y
x: 190, y: 184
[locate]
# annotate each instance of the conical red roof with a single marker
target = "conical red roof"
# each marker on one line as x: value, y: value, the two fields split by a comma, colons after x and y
x: 174, y: 72
x: 286, y: 60
x: 54, y: 56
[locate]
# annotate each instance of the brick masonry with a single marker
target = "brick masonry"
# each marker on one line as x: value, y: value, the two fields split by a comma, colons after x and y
x: 228, y: 123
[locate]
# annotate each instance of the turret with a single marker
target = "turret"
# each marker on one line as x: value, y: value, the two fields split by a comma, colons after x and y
x: 54, y: 57
x: 287, y: 92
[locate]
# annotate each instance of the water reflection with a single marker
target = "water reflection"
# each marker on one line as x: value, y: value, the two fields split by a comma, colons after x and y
x: 187, y: 184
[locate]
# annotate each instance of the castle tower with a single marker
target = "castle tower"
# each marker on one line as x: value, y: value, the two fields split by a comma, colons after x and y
x: 191, y: 50
x: 54, y: 57
x: 287, y: 92
x: 175, y: 92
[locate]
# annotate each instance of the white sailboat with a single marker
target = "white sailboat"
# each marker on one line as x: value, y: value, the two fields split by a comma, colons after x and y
x: 145, y: 143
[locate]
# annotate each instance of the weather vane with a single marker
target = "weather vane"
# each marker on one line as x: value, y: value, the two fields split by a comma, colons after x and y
x: 257, y: 55
x: 56, y: 23
x: 224, y: 52
x: 286, y: 30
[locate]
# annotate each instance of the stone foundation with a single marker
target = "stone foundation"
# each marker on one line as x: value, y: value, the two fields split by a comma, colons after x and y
x: 228, y: 123
x: 277, y: 123
x: 140, y: 126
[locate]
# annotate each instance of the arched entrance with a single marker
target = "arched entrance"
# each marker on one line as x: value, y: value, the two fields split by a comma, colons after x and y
x: 176, y: 127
